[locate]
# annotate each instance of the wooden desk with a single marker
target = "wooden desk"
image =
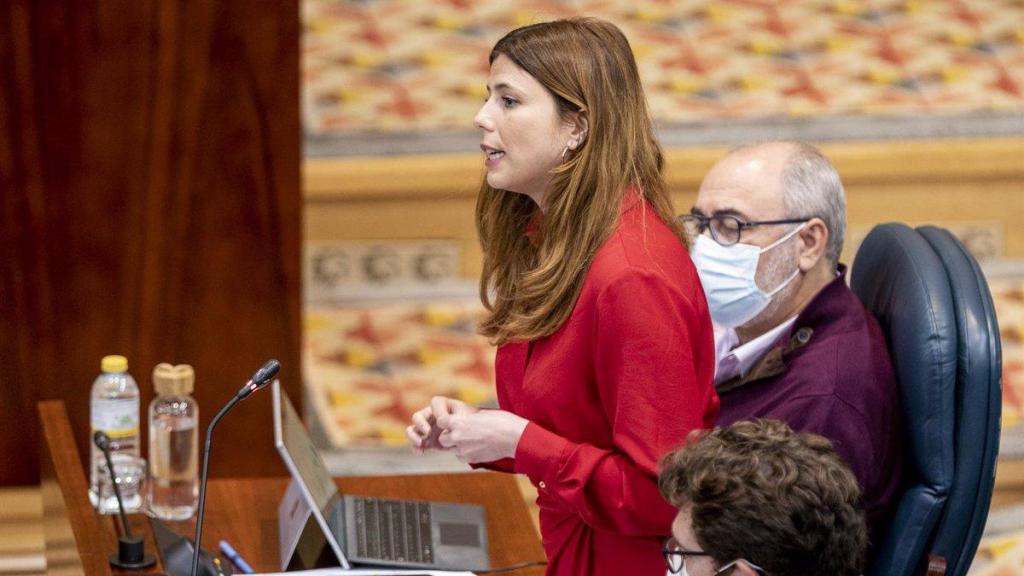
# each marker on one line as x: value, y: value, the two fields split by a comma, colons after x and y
x: 244, y: 511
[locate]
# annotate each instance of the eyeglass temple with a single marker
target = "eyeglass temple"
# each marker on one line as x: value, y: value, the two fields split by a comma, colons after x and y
x: 733, y: 564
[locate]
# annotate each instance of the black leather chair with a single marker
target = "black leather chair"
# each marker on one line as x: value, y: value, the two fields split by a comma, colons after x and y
x: 935, y: 308
x: 978, y: 402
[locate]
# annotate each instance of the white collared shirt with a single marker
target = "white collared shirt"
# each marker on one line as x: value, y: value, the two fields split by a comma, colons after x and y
x: 732, y: 360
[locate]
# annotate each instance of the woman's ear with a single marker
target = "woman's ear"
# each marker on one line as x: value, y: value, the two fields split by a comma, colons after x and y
x: 578, y: 129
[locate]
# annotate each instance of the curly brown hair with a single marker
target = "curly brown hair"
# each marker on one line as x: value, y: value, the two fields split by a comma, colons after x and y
x: 760, y: 491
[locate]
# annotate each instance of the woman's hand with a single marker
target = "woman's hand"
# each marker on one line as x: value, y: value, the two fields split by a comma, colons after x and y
x: 428, y: 423
x: 481, y: 436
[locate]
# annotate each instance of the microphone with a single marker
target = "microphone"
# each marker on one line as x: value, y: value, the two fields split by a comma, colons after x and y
x: 259, y: 379
x: 131, y: 550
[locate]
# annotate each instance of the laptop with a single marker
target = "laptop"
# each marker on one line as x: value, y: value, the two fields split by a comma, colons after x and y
x: 378, y: 531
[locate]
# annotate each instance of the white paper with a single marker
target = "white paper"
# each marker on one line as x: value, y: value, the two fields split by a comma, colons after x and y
x: 292, y: 514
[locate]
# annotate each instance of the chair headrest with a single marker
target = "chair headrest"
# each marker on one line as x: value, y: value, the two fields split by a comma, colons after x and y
x: 899, y: 278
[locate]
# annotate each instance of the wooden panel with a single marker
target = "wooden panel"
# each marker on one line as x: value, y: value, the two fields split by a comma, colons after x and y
x: 21, y: 529
x: 150, y: 206
x: 26, y: 326
x: 405, y: 218
x: 1009, y: 488
x: 74, y: 540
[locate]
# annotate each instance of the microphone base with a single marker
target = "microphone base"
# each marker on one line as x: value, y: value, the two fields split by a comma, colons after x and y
x: 131, y: 554
x: 147, y: 561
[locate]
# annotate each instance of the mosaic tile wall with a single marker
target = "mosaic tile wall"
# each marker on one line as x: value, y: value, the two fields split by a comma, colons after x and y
x: 419, y: 66
x: 369, y: 367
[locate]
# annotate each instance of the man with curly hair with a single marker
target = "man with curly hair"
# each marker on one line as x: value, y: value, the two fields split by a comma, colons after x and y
x: 757, y: 498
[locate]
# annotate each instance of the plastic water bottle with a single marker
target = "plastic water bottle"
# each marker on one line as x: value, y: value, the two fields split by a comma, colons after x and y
x: 114, y: 409
x: 173, y: 444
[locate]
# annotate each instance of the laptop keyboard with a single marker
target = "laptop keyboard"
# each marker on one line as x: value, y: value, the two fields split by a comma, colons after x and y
x: 395, y: 530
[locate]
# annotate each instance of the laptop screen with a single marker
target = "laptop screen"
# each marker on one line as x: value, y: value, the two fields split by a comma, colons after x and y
x: 462, y: 526
x: 308, y: 465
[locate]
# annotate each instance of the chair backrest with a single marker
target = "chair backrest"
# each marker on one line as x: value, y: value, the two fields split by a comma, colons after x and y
x: 899, y: 278
x: 935, y: 307
x: 978, y: 401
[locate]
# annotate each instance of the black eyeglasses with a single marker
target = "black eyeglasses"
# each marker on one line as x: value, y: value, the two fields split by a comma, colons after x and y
x: 675, y: 555
x: 675, y: 558
x: 726, y: 229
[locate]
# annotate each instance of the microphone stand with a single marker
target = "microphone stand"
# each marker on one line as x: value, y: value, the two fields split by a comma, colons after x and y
x: 131, y: 551
x: 206, y: 465
x: 260, y: 379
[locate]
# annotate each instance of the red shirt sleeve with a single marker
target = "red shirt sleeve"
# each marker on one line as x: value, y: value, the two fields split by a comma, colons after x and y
x: 503, y: 465
x: 644, y: 371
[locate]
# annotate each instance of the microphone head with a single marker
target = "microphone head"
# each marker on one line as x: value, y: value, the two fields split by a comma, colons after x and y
x: 265, y: 374
x: 101, y: 440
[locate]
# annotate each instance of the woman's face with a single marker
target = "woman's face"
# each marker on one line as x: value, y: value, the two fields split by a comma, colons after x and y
x: 523, y: 134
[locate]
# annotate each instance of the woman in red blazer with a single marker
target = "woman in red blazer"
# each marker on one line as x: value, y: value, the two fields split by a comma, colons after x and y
x: 605, y: 356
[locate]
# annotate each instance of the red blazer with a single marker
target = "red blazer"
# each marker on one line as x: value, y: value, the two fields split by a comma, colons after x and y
x: 622, y: 382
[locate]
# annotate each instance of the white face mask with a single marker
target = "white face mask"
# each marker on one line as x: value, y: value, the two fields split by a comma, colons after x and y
x: 727, y: 274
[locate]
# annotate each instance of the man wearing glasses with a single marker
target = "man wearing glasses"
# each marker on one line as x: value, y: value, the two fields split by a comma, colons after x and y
x: 757, y: 499
x: 792, y: 340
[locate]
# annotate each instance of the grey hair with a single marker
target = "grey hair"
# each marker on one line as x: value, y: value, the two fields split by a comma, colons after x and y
x: 811, y: 188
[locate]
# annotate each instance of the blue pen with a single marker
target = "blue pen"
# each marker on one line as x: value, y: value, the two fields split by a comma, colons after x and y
x: 235, y: 557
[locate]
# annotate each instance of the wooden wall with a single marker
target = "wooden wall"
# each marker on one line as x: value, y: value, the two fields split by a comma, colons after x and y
x: 949, y: 182
x: 149, y: 206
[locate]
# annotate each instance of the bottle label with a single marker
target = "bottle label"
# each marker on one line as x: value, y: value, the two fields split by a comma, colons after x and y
x: 117, y: 417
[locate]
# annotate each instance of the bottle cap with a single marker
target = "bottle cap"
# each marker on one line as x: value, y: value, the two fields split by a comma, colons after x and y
x: 114, y: 363
x: 176, y: 380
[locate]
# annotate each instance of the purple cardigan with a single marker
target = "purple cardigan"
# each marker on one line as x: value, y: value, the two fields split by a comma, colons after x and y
x: 831, y: 375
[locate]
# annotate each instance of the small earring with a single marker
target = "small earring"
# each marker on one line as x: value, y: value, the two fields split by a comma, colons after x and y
x: 571, y: 145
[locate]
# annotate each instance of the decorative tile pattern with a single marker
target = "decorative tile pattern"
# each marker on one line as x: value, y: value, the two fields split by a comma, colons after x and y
x: 404, y: 66
x: 368, y: 368
x: 1009, y: 302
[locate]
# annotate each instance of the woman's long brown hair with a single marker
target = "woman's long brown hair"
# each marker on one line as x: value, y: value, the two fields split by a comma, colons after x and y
x: 530, y: 284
